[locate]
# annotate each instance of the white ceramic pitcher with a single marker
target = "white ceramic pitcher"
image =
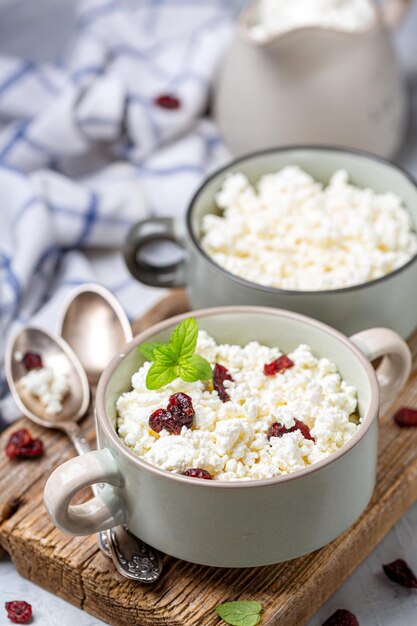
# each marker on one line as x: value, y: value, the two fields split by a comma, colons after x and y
x: 313, y: 85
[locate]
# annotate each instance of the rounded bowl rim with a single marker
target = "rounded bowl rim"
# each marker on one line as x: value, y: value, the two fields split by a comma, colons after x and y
x: 368, y: 419
x: 278, y: 290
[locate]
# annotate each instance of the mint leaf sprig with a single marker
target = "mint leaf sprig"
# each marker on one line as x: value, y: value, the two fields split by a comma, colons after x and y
x: 176, y: 359
x: 240, y: 613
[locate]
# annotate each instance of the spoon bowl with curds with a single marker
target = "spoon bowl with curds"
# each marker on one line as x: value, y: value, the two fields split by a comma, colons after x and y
x: 96, y: 327
x: 57, y: 355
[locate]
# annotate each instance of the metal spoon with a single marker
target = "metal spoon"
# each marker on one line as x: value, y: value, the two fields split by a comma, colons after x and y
x: 58, y: 355
x: 96, y: 327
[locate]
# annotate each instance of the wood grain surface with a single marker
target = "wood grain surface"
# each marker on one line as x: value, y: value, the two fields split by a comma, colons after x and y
x: 290, y: 593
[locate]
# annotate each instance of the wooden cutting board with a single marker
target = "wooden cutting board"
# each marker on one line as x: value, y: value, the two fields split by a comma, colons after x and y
x: 290, y: 593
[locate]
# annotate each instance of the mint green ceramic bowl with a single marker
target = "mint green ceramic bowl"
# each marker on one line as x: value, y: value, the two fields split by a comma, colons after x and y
x: 235, y: 524
x: 388, y: 301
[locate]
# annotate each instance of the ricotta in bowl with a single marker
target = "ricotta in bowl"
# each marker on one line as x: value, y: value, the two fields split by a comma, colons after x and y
x: 304, y: 401
x: 291, y: 232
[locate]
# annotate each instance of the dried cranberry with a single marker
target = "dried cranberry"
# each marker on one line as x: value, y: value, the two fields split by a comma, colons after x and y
x: 277, y: 430
x: 179, y: 412
x: 22, y: 445
x: 18, y: 611
x: 341, y: 617
x: 399, y: 572
x: 157, y: 419
x: 198, y: 472
x: 220, y: 374
x: 181, y: 407
x: 167, y: 101
x: 406, y: 416
x: 278, y: 366
x: 18, y: 439
x: 32, y: 450
x: 32, y: 361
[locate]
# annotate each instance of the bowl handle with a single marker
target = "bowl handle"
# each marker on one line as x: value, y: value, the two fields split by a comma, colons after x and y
x: 154, y: 230
x: 395, y: 367
x: 101, y: 512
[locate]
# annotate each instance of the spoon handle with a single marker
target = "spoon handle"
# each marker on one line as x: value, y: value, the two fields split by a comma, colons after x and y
x: 79, y: 442
x: 132, y: 557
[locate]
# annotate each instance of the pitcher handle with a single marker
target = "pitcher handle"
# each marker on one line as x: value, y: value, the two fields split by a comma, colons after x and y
x: 394, y: 369
x: 101, y: 512
x: 394, y: 11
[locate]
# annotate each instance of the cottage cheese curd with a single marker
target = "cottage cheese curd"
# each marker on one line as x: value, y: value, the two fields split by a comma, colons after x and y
x: 290, y: 232
x: 50, y: 387
x: 229, y: 439
x: 277, y: 16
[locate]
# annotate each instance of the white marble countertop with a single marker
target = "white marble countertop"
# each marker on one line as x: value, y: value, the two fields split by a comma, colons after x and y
x: 367, y: 593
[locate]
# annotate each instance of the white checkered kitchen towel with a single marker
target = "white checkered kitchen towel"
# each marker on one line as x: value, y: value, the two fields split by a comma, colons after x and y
x: 86, y: 149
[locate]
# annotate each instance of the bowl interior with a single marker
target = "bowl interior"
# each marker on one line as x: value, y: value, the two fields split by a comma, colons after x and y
x: 268, y: 326
x: 364, y: 171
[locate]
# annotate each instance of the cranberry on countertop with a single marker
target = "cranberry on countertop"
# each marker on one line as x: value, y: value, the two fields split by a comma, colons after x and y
x: 18, y: 611
x: 341, y: 617
x: 399, y: 572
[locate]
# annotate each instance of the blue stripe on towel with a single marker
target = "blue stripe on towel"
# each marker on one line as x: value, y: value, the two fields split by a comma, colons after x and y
x: 11, y: 277
x: 90, y: 219
x: 113, y: 220
x: 23, y: 209
x: 25, y: 68
x: 16, y: 136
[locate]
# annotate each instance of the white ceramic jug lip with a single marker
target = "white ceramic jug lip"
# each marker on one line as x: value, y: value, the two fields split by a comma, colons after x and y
x: 277, y: 290
x: 368, y: 419
x: 245, y: 22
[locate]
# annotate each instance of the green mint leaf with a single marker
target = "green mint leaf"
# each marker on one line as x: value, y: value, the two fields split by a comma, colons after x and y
x: 160, y: 375
x: 184, y: 338
x: 176, y: 358
x: 147, y: 350
x: 187, y: 372
x: 166, y: 355
x: 240, y: 613
x: 203, y: 367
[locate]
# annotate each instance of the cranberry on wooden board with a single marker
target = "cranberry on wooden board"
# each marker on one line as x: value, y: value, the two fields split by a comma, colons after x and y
x: 22, y: 446
x: 406, y: 416
x: 278, y: 366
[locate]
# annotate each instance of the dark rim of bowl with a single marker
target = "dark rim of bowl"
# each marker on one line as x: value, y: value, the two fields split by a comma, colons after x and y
x: 368, y: 418
x: 278, y: 290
